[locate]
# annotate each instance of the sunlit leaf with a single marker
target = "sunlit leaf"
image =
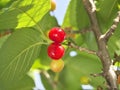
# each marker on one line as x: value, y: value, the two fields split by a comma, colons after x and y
x: 24, y: 13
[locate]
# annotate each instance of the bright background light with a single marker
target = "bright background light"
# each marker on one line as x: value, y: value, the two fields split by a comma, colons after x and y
x: 61, y: 6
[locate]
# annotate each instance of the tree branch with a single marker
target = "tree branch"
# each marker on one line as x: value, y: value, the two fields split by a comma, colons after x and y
x: 92, y: 5
x: 83, y: 31
x: 96, y: 75
x: 71, y: 32
x: 82, y: 49
x: 91, y: 11
x: 112, y: 29
x: 108, y: 71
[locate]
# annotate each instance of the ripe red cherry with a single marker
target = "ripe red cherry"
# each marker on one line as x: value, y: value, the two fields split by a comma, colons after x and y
x: 56, y: 51
x: 57, y: 34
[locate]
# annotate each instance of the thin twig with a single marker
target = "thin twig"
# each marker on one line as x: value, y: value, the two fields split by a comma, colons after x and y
x: 96, y: 75
x: 112, y: 29
x: 69, y: 30
x: 82, y: 49
x: 46, y: 74
x: 83, y: 31
x: 99, y: 88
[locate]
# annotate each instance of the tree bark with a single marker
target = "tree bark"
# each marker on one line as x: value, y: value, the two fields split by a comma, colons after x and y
x: 108, y: 71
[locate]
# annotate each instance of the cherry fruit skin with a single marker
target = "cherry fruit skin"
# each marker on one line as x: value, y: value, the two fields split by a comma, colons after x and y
x: 57, y: 66
x: 55, y: 51
x: 53, y: 5
x: 57, y: 34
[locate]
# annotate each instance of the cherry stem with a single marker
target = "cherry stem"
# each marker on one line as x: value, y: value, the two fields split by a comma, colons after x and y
x: 96, y: 75
x: 47, y: 75
x: 83, y: 31
x: 56, y: 77
x: 82, y: 49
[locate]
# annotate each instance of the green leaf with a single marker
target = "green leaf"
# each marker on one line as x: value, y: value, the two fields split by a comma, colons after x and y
x: 78, y: 66
x: 106, y: 12
x: 44, y: 58
x: 3, y: 39
x: 24, y: 13
x: 3, y: 3
x: 18, y: 54
x: 48, y: 22
x: 26, y: 83
x: 76, y: 16
x: 90, y: 41
x: 114, y: 43
x: 79, y: 40
x: 43, y: 62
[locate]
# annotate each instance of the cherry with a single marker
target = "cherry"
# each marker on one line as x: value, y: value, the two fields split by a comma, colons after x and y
x: 84, y: 80
x: 53, y: 5
x: 57, y: 66
x: 55, y: 51
x: 57, y: 34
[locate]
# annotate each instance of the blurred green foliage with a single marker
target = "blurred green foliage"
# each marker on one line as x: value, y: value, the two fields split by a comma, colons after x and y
x: 25, y: 48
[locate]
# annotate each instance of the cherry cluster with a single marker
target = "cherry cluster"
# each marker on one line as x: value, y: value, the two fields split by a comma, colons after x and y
x: 56, y: 50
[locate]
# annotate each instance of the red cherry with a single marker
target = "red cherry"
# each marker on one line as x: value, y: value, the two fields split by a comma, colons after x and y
x: 57, y: 34
x: 56, y: 51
